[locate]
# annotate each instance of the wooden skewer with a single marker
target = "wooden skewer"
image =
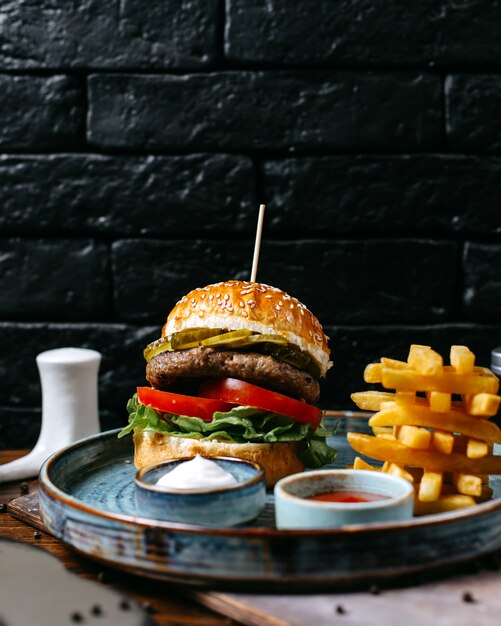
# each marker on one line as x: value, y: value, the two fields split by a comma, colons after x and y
x: 257, y: 244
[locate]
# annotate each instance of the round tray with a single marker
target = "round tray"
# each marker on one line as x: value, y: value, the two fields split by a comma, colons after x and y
x: 87, y: 500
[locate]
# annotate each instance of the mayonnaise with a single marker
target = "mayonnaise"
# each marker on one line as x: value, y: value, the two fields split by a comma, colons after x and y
x: 199, y: 473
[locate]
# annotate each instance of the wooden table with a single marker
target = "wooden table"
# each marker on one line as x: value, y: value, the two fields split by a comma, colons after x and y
x: 169, y: 606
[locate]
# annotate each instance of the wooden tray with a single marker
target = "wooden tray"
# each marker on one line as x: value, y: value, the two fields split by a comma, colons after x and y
x: 87, y: 500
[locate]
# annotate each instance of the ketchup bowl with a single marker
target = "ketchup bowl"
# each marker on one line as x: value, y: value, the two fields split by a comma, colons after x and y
x: 332, y: 498
x: 212, y: 506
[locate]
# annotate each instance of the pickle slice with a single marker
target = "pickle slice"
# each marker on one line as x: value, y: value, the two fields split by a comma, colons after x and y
x: 252, y: 340
x: 226, y: 338
x: 156, y: 347
x: 191, y: 338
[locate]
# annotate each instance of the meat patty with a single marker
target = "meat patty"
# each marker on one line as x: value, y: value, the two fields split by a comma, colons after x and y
x: 168, y: 368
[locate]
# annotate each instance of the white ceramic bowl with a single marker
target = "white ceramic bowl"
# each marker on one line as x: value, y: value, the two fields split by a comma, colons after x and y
x: 294, y: 511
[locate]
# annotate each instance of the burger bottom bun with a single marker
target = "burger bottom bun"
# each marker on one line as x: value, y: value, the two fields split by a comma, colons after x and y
x: 277, y: 459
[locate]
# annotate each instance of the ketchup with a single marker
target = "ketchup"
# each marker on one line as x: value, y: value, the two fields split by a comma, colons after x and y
x: 347, y: 496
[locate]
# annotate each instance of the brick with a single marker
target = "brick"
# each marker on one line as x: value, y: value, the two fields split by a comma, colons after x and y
x: 363, y: 32
x: 482, y: 285
x: 472, y: 111
x: 150, y: 276
x: 404, y: 194
x: 353, y: 347
x: 341, y: 281
x: 54, y: 279
x: 366, y: 281
x: 19, y: 427
x: 265, y: 110
x: 87, y: 34
x: 126, y: 195
x: 39, y: 112
x: 122, y: 367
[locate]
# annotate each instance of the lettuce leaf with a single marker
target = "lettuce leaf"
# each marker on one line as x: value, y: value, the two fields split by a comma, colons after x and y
x: 242, y: 424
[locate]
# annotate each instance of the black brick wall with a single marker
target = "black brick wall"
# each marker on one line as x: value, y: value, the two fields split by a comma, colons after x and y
x: 137, y: 140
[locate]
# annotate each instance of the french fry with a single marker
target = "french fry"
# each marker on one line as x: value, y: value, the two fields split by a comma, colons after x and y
x: 372, y: 373
x: 468, y: 484
x: 425, y: 360
x: 390, y: 436
x: 371, y: 400
x: 433, y: 461
x: 430, y: 486
x: 445, y: 503
x: 394, y: 363
x: 385, y: 406
x: 360, y: 464
x: 454, y: 422
x: 383, y: 430
x: 396, y: 470
x: 481, y: 404
x: 462, y: 359
x: 440, y: 402
x: 442, y: 441
x: 414, y: 437
x: 481, y: 380
x: 474, y: 449
x: 404, y: 398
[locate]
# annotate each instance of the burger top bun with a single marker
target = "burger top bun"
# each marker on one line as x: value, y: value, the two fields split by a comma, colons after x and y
x: 243, y: 305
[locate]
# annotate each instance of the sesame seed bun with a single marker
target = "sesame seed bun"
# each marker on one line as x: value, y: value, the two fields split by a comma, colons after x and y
x: 243, y: 305
x: 277, y: 459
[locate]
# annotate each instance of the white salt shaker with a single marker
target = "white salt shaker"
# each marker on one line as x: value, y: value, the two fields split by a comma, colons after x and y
x: 496, y: 361
x: 69, y: 406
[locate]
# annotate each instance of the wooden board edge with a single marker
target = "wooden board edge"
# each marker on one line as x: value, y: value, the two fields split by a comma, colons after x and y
x: 230, y: 607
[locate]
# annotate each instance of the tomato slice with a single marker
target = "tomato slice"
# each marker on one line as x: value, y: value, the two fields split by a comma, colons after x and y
x: 181, y: 405
x: 239, y: 392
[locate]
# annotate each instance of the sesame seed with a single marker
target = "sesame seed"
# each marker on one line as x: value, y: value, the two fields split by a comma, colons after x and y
x: 268, y: 297
x: 211, y: 297
x: 226, y: 297
x: 241, y: 304
x: 203, y: 296
x: 244, y: 314
x: 292, y: 306
x: 218, y: 295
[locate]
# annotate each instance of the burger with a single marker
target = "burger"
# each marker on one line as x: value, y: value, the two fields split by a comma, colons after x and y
x: 235, y: 373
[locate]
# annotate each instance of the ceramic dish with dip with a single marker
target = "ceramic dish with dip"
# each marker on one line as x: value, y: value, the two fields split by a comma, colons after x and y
x: 333, y: 498
x: 221, y: 491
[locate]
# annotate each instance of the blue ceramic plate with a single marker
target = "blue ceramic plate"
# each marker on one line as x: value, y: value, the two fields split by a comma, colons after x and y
x: 87, y: 499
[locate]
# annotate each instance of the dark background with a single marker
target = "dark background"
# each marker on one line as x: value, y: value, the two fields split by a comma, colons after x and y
x: 138, y: 138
